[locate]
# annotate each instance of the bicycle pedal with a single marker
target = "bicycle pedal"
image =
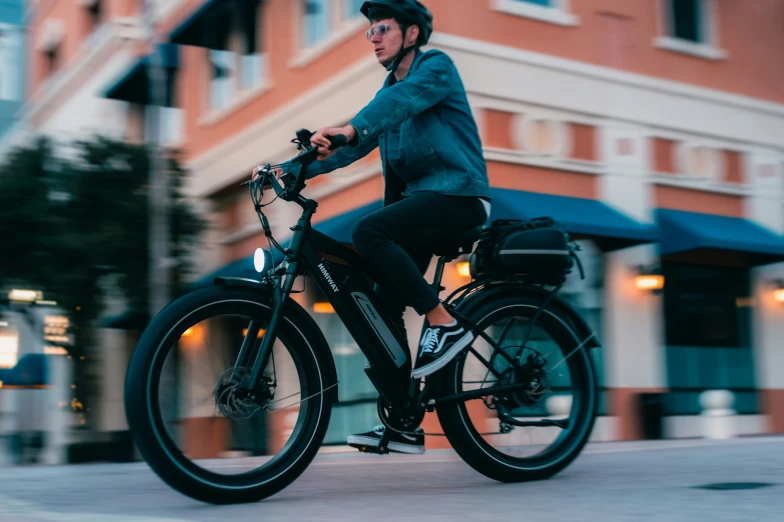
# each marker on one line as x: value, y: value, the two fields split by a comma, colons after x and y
x: 373, y: 450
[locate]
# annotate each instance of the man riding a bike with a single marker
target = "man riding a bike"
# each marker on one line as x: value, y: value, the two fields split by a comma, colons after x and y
x: 436, y: 183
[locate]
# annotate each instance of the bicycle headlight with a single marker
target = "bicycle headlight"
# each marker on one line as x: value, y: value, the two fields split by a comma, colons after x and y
x: 262, y: 260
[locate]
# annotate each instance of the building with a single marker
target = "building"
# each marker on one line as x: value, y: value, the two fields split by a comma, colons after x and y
x: 652, y: 131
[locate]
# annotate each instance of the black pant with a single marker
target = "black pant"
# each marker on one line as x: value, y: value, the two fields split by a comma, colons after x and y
x: 397, y: 240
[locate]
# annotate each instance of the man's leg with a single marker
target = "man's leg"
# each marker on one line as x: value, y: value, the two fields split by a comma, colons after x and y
x: 396, y: 241
x: 394, y: 301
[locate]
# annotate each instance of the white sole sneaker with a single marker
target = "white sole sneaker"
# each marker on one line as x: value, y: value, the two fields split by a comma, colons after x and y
x: 392, y: 446
x: 444, y: 359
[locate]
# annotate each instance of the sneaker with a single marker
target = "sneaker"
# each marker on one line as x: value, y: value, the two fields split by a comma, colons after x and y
x: 398, y: 442
x: 440, y: 344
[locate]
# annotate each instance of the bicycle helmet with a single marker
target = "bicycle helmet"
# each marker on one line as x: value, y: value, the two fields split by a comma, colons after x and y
x: 407, y: 13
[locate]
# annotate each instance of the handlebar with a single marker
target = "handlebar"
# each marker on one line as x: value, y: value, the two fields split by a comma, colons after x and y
x: 291, y: 189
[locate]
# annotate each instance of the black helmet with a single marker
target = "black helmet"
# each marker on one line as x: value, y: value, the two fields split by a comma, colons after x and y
x: 407, y: 13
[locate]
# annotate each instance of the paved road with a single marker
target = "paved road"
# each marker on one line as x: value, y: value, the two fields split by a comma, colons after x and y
x: 609, y: 482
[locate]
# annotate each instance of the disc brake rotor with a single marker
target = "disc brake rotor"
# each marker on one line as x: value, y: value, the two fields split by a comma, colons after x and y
x: 235, y: 401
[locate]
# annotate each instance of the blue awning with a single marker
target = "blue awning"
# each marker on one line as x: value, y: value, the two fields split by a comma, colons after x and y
x: 692, y: 231
x: 134, y: 85
x: 210, y: 25
x: 31, y: 371
x: 587, y: 218
x: 580, y: 217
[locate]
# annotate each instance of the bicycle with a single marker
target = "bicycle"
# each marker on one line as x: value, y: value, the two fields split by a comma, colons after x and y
x: 517, y: 269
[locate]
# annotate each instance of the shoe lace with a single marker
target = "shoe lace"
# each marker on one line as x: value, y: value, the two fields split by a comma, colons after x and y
x: 430, y: 340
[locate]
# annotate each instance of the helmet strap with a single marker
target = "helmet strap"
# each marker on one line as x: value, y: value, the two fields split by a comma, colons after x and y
x: 392, y: 67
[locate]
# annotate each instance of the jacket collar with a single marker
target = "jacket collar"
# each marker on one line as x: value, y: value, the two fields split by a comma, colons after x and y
x: 414, y: 65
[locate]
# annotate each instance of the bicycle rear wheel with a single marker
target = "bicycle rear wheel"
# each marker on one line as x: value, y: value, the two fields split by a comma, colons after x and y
x: 565, y: 393
x: 189, y: 419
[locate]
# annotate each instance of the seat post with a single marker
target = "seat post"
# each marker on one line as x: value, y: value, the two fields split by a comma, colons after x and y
x: 439, y: 274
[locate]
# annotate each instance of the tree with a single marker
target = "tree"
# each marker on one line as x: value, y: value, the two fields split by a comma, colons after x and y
x: 77, y: 229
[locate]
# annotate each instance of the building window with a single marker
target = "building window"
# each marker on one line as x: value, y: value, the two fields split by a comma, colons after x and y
x: 253, y: 63
x: 689, y: 26
x: 707, y: 333
x: 316, y: 21
x: 552, y: 11
x: 222, y: 78
x: 10, y: 63
x: 237, y: 61
x: 52, y: 60
x: 687, y: 17
x: 95, y: 13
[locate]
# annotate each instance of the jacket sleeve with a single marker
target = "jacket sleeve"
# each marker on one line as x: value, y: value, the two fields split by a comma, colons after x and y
x: 424, y: 87
x: 342, y: 158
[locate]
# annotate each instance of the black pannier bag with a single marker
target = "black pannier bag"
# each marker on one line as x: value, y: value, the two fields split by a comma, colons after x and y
x: 535, y: 248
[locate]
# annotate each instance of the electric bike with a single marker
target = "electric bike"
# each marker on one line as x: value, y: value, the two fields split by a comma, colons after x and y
x: 518, y: 404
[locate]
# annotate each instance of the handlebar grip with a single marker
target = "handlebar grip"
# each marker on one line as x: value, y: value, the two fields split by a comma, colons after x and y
x: 338, y: 141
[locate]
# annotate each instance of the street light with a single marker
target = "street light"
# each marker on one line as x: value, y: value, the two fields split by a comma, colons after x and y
x: 24, y: 296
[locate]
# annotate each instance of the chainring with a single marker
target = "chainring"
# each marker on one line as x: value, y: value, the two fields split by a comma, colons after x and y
x: 399, y: 419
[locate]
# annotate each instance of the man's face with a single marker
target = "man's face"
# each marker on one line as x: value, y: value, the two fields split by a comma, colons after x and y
x: 386, y: 37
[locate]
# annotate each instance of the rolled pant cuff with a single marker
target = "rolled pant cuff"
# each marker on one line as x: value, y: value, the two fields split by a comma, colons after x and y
x: 426, y: 306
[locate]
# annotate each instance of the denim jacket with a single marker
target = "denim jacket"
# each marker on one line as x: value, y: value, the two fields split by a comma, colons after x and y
x: 424, y: 129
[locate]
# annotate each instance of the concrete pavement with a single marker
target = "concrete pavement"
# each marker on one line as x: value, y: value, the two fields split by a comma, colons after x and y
x: 651, y: 481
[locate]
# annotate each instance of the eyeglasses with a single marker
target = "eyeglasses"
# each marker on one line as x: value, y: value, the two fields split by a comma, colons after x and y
x: 381, y: 29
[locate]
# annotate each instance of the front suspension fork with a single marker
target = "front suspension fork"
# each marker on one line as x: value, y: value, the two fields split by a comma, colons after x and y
x: 279, y: 295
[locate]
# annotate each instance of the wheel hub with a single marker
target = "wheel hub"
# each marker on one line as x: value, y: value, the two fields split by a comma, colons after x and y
x: 535, y: 379
x: 234, y: 400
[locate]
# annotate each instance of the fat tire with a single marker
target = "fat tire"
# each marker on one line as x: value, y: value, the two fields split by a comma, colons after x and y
x: 172, y: 467
x: 454, y: 418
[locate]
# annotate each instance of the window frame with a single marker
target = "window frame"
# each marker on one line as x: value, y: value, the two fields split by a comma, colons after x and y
x: 559, y: 13
x: 11, y: 64
x: 240, y: 58
x: 693, y: 367
x: 709, y: 48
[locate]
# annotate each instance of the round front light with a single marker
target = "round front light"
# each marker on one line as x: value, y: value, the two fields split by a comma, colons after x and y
x: 262, y: 260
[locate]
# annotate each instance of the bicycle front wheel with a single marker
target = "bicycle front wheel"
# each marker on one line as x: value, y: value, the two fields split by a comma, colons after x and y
x: 190, y: 420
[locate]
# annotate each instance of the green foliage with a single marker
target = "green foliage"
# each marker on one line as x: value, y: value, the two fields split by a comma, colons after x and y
x: 70, y: 224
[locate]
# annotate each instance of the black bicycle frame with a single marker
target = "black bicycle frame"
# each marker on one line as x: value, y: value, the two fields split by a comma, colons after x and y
x: 347, y: 281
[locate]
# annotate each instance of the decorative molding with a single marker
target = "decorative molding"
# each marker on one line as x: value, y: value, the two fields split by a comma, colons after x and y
x: 517, y: 157
x: 685, y: 167
x: 676, y: 180
x: 481, y: 48
x: 51, y: 34
x: 692, y: 48
x: 523, y: 129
